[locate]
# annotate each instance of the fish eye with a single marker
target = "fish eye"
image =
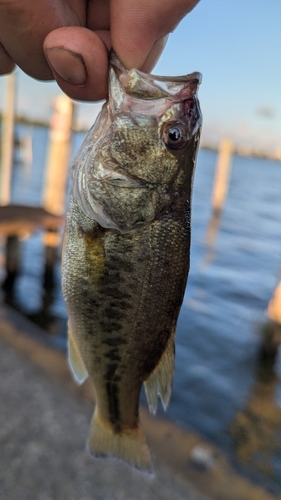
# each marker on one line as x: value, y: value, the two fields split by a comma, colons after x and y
x: 175, y: 135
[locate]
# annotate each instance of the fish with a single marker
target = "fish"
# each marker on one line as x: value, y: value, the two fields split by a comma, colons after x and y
x: 126, y: 251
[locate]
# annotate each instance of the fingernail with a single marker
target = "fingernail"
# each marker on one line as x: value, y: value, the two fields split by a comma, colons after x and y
x: 68, y: 65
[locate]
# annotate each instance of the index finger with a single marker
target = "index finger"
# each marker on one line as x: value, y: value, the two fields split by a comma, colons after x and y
x: 137, y: 25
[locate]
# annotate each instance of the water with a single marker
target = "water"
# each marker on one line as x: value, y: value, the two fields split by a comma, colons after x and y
x: 220, y: 388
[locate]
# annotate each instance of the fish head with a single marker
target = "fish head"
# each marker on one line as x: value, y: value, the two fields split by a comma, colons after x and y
x: 139, y: 156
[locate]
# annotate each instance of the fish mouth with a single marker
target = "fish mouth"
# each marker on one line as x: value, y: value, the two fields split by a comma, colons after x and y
x: 151, y: 87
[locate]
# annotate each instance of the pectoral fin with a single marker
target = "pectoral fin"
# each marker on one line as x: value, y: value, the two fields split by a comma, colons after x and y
x: 161, y: 379
x: 75, y: 362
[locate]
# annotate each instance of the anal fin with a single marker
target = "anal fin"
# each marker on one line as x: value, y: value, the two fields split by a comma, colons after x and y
x: 161, y: 379
x: 75, y: 362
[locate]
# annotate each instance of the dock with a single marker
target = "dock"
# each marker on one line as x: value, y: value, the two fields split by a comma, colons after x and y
x: 24, y: 220
x: 44, y: 423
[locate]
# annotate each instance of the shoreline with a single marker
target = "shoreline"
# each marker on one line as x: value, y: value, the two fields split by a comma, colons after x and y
x: 239, y: 150
x: 188, y: 457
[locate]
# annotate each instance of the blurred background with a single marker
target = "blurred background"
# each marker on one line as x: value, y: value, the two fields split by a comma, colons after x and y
x: 228, y: 365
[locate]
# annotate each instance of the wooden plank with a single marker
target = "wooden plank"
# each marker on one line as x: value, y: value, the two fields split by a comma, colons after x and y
x: 23, y: 220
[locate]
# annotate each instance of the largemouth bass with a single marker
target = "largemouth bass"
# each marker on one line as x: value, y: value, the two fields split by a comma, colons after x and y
x: 126, y: 250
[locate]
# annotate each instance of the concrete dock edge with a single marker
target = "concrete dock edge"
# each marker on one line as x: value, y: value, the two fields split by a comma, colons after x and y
x: 35, y: 382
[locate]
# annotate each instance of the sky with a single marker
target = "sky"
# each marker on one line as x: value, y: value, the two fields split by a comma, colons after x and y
x: 237, y: 48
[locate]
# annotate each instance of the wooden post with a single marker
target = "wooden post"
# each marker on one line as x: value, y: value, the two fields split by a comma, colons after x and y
x: 12, y: 264
x: 271, y: 331
x: 7, y: 139
x: 58, y: 156
x: 274, y: 306
x: 56, y: 178
x: 12, y: 243
x: 221, y: 180
x: 220, y: 188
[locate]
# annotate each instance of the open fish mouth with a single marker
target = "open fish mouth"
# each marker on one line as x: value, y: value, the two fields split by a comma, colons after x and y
x: 153, y: 87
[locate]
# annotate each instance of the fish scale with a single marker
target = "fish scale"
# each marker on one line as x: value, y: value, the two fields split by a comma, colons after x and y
x: 126, y: 252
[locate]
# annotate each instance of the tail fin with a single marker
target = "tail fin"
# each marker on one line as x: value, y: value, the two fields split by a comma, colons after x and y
x: 128, y: 445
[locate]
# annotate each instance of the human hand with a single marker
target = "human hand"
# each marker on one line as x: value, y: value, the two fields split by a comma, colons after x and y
x: 69, y: 39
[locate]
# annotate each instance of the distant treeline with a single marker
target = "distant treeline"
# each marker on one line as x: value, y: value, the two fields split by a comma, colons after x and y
x: 37, y: 122
x: 25, y: 120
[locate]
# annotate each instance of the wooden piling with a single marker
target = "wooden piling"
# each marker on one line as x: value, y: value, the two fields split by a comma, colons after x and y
x: 274, y: 307
x: 58, y: 156
x: 12, y: 264
x: 11, y: 243
x: 7, y: 139
x: 271, y: 331
x: 219, y: 193
x: 222, y: 174
x: 55, y: 184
